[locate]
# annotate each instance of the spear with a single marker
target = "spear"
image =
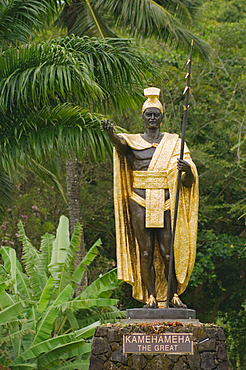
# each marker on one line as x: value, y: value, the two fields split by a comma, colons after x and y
x: 185, y: 107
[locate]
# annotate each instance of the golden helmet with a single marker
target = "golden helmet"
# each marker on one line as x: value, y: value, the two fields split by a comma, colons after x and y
x: 152, y: 93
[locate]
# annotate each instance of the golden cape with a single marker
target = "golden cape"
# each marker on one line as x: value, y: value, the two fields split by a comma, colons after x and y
x: 127, y: 249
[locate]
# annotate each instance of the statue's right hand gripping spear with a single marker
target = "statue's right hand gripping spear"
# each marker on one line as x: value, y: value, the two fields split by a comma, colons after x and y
x: 185, y: 107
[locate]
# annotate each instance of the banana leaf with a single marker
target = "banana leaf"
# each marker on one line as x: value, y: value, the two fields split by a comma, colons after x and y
x: 21, y: 278
x: 5, y: 300
x: 88, y: 303
x: 46, y: 251
x: 74, y: 244
x: 43, y: 347
x: 82, y: 352
x: 23, y: 366
x: 71, y: 365
x: 7, y: 284
x: 89, y: 257
x: 88, y: 331
x: 103, y: 284
x: 46, y: 325
x: 54, y: 354
x: 60, y: 248
x: 45, y: 296
x: 72, y: 320
x: 9, y: 258
x: 11, y: 313
x: 18, y: 334
x: 68, y: 266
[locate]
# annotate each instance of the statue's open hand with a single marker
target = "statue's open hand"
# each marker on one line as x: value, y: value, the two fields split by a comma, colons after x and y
x: 108, y: 127
x: 182, y: 165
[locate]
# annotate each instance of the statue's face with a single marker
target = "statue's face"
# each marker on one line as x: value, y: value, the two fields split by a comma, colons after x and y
x: 152, y: 118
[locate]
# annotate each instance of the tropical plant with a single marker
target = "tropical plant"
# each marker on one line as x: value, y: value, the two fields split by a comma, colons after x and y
x: 38, y: 324
x: 165, y: 19
x: 21, y: 19
x: 48, y: 91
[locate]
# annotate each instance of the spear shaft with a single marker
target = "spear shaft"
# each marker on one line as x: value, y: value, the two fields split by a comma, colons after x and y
x: 185, y: 107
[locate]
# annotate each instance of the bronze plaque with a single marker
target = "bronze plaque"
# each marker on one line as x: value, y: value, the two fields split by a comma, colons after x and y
x: 176, y: 343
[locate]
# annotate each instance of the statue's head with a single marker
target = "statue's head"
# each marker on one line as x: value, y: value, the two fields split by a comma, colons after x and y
x: 152, y: 108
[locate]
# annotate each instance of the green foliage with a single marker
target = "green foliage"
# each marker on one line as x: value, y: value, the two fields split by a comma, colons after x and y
x: 225, y: 11
x: 220, y: 260
x: 165, y: 19
x: 38, y: 324
x: 234, y: 324
x: 20, y: 19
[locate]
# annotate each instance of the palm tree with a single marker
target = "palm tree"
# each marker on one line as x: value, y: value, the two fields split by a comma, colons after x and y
x: 169, y: 20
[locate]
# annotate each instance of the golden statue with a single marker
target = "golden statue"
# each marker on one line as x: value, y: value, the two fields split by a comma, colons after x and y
x: 145, y: 176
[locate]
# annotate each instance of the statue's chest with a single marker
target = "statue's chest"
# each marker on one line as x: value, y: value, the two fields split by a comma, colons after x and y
x: 142, y: 158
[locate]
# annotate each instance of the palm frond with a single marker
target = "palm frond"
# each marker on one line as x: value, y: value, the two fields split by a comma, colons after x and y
x: 91, y: 315
x: 88, y: 21
x: 43, y: 173
x: 7, y: 192
x: 116, y: 67
x: 51, y: 132
x: 19, y: 19
x: 39, y: 73
x: 164, y: 19
x: 83, y: 18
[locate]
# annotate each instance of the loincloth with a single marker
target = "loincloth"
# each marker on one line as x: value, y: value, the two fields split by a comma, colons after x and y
x: 155, y: 183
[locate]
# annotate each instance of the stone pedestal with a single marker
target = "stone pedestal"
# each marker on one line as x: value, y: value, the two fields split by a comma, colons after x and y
x: 209, y: 347
x: 160, y: 314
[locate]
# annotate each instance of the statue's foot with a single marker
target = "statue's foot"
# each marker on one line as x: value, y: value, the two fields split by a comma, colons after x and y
x: 177, y: 303
x: 152, y: 302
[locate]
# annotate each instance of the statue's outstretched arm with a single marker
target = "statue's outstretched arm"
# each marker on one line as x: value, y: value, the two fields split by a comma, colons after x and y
x: 118, y: 142
x: 188, y: 176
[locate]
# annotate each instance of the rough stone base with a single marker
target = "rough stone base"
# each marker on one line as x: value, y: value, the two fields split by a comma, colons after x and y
x: 107, y: 352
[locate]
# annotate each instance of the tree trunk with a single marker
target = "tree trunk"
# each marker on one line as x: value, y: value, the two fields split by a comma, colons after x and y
x: 73, y: 170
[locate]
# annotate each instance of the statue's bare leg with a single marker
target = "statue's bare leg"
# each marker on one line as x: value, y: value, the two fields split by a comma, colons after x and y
x: 164, y: 237
x: 146, y: 241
